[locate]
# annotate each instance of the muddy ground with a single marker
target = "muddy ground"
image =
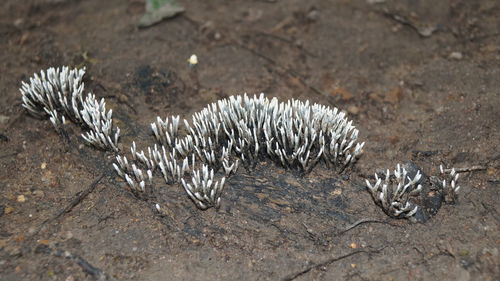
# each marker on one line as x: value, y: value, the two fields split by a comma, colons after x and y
x: 420, y: 79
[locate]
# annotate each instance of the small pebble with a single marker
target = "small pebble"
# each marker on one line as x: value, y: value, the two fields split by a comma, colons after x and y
x: 456, y: 56
x: 4, y: 119
x: 353, y: 245
x: 43, y: 166
x: 337, y: 192
x: 18, y: 22
x: 439, y: 109
x: 38, y: 193
x: 21, y: 199
x: 313, y: 15
x: 193, y: 60
x: 353, y: 109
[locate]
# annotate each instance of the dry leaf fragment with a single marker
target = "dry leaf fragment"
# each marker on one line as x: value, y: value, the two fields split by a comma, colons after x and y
x: 157, y: 10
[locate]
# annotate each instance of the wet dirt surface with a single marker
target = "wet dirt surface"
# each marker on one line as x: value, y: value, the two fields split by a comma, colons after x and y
x: 420, y: 79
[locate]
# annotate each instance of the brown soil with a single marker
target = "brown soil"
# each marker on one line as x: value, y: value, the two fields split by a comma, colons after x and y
x: 421, y: 79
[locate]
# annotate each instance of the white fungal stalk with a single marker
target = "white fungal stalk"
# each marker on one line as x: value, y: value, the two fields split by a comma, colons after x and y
x: 57, y: 94
x: 54, y: 90
x: 240, y: 129
x: 235, y: 130
x: 393, y: 193
x: 449, y: 186
x: 232, y: 131
x: 100, y: 123
x: 173, y: 168
x: 133, y: 175
x: 166, y: 131
x: 294, y: 133
x: 203, y: 189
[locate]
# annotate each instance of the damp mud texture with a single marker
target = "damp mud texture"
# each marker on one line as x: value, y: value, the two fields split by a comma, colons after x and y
x: 420, y: 79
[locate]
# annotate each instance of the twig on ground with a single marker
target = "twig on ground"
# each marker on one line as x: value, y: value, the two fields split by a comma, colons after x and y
x: 467, y: 169
x: 327, y: 262
x: 94, y: 272
x: 8, y: 155
x: 422, y: 31
x: 363, y: 221
x: 78, y: 198
x: 491, y: 210
x: 316, y: 238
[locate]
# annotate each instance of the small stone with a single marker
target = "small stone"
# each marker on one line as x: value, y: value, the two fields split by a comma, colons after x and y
x: 70, y: 278
x: 353, y: 109
x: 456, y: 56
x: 18, y: 22
x: 21, y: 199
x: 8, y: 210
x: 4, y: 119
x: 342, y: 93
x: 43, y: 166
x: 353, y: 245
x: 13, y: 251
x: 490, y: 171
x: 38, y: 193
x: 279, y: 202
x: 439, y: 109
x: 50, y: 179
x: 19, y: 238
x: 463, y: 253
x: 394, y: 96
x: 261, y: 195
x: 313, y: 14
x: 336, y: 192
